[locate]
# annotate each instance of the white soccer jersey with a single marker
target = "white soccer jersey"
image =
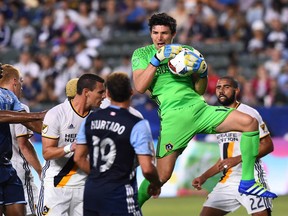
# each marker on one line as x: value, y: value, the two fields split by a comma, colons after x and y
x: 18, y: 161
x: 62, y: 122
x: 229, y: 145
x: 22, y: 167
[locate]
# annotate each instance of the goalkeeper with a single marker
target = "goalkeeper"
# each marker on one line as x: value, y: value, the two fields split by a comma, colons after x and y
x: 182, y: 110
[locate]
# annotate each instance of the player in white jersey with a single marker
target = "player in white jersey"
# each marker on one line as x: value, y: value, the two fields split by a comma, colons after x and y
x: 225, y: 197
x: 63, y: 181
x: 23, y: 159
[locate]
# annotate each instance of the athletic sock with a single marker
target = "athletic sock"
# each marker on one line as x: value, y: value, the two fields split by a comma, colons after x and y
x: 249, y: 147
x: 143, y: 195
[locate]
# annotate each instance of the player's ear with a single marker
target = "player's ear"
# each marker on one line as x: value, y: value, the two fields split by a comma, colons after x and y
x: 237, y: 90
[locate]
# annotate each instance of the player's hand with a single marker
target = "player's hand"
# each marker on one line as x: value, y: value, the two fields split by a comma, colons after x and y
x: 228, y: 163
x: 154, y: 190
x: 198, y: 182
x: 166, y: 52
x: 195, y: 64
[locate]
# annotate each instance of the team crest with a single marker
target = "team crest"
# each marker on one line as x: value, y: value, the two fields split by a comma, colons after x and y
x: 44, y: 128
x: 45, y: 210
x: 264, y: 128
x: 169, y: 147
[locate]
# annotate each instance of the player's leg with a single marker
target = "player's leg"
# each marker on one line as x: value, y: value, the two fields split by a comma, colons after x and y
x: 249, y: 146
x: 56, y: 201
x: 76, y: 204
x: 208, y: 211
x: 238, y: 121
x: 165, y: 168
x: 15, y: 209
x: 13, y: 193
x: 266, y: 212
x: 221, y: 200
x: 256, y: 206
x: 176, y: 131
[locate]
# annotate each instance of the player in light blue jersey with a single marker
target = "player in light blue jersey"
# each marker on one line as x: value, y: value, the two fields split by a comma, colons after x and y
x: 115, y: 139
x: 12, y: 201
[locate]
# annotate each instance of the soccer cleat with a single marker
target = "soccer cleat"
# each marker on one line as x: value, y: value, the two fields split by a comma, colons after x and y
x: 250, y: 187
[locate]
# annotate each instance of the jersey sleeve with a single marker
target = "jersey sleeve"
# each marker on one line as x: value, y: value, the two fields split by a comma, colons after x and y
x: 141, y: 138
x: 81, y: 137
x: 17, y: 106
x: 51, y: 125
x: 263, y: 130
x: 21, y: 130
x: 140, y: 60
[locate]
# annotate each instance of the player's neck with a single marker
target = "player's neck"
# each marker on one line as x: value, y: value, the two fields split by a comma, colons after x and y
x: 235, y: 104
x: 124, y: 104
x: 79, y: 106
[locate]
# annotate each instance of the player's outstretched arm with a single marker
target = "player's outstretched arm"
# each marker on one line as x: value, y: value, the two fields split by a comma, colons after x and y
x: 29, y: 153
x: 7, y: 116
x: 266, y: 146
x: 199, y: 181
x: 150, y: 173
x: 201, y: 85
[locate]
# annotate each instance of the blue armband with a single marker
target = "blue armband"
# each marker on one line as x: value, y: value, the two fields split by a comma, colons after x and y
x: 155, y: 61
x: 203, y: 75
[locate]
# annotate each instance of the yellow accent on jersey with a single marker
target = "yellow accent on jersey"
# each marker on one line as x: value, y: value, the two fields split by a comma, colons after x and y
x: 66, y: 178
x: 229, y: 154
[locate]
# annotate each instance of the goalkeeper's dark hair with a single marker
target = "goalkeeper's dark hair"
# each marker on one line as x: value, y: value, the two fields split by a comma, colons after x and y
x: 119, y: 86
x: 234, y: 82
x: 163, y: 19
x: 88, y: 81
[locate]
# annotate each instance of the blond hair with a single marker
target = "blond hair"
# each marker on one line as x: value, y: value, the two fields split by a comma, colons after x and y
x: 9, y: 72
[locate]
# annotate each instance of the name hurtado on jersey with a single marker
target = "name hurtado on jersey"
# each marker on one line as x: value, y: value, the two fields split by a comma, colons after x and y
x: 227, y: 137
x: 107, y: 125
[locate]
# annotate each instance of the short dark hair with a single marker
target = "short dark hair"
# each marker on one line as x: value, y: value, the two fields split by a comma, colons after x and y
x: 89, y: 81
x: 119, y: 86
x: 162, y: 19
x: 233, y: 81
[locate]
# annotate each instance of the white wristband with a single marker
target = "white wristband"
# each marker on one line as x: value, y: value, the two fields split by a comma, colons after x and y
x: 67, y: 148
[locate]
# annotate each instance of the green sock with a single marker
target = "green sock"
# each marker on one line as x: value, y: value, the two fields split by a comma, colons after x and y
x: 143, y: 195
x: 249, y: 147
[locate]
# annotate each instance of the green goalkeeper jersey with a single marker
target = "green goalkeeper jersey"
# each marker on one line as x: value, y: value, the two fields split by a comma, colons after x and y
x: 168, y: 90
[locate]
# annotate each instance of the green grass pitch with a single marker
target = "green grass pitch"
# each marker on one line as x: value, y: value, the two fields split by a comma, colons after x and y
x: 192, y: 205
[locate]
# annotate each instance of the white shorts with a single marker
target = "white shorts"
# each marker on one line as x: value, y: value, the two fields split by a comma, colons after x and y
x: 31, y: 197
x: 227, y: 198
x: 61, y: 201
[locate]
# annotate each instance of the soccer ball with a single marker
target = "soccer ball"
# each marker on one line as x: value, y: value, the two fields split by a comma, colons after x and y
x: 177, y: 64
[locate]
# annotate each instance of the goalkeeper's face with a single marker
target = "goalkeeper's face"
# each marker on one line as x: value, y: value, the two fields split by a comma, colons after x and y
x: 161, y: 35
x: 226, y: 93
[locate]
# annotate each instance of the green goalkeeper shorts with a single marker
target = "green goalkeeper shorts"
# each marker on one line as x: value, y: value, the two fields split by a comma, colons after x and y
x: 179, y: 126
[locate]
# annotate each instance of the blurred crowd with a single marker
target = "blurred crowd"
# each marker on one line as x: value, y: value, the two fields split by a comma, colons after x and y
x: 60, y: 40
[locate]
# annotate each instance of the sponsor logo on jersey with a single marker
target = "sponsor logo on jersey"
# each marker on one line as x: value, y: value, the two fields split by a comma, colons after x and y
x: 70, y: 137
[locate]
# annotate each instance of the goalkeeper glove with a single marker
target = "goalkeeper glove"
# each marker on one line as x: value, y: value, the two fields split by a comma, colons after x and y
x: 167, y: 51
x: 197, y: 65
